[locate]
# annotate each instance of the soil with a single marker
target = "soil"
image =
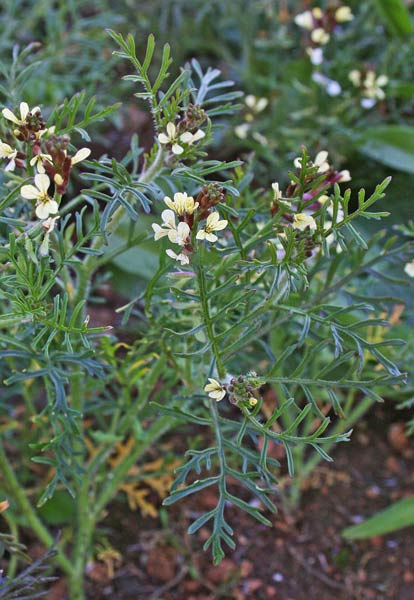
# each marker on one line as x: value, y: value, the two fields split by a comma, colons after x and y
x: 302, y: 557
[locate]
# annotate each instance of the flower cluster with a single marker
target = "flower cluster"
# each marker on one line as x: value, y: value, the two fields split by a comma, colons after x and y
x: 370, y: 85
x: 190, y: 214
x: 186, y: 133
x: 320, y: 24
x: 304, y: 221
x: 242, y: 390
x: 50, y: 162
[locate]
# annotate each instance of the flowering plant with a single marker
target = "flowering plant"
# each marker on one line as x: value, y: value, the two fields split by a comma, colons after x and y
x: 255, y: 290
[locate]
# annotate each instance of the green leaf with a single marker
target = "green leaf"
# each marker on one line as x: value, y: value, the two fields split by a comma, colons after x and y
x: 392, y: 145
x: 394, y: 517
x: 396, y: 15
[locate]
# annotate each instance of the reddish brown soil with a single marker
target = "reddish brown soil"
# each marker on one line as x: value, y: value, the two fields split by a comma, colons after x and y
x: 303, y: 556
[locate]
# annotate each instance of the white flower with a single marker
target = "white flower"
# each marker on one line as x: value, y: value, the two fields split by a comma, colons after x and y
x: 343, y: 14
x: 189, y: 138
x: 168, y: 218
x: 182, y: 258
x: 304, y: 20
x: 277, y: 194
x: 256, y: 104
x: 355, y: 77
x: 24, y: 112
x: 171, y: 138
x: 213, y: 224
x: 49, y: 224
x: 176, y: 234
x: 409, y: 269
x: 320, y: 162
x: 80, y: 155
x: 180, y: 235
x: 7, y: 152
x: 331, y: 86
x: 344, y: 176
x: 38, y: 160
x: 317, y: 12
x: 242, y: 130
x: 320, y: 36
x: 301, y: 221
x: 315, y: 55
x: 39, y: 191
x: 215, y: 390
x: 182, y: 204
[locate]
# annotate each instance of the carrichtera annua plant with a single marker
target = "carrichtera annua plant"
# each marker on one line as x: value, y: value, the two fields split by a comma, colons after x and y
x: 255, y: 290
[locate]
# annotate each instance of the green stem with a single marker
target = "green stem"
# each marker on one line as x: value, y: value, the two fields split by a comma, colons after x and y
x: 26, y: 509
x: 90, y: 263
x: 202, y: 286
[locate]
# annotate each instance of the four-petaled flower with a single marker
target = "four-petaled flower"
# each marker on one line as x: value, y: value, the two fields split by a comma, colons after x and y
x: 39, y: 192
x: 24, y: 112
x: 38, y: 161
x: 301, y: 221
x: 343, y: 14
x: 182, y: 204
x: 171, y: 137
x: 177, y: 234
x: 320, y: 162
x: 215, y: 390
x: 7, y: 152
x: 213, y: 224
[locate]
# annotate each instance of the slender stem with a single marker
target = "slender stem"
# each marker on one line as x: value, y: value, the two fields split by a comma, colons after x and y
x: 26, y: 508
x: 89, y: 265
x: 202, y: 286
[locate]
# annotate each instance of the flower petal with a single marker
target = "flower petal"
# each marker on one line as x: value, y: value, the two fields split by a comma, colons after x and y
x: 80, y: 155
x: 163, y: 139
x: 171, y: 129
x: 7, y: 114
x: 42, y: 182
x: 177, y: 149
x: 24, y: 110
x: 30, y: 192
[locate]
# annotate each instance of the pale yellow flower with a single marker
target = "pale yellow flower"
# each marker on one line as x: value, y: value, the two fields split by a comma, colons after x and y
x: 39, y: 192
x: 355, y: 77
x: 256, y: 104
x: 277, y: 194
x: 320, y: 36
x: 301, y: 221
x: 38, y: 160
x: 409, y: 269
x: 8, y: 153
x: 304, y: 20
x: 242, y: 130
x: 176, y: 234
x: 49, y: 224
x: 182, y: 257
x: 189, y: 138
x: 24, y: 112
x: 213, y: 223
x: 182, y: 204
x: 320, y: 161
x: 171, y: 138
x: 215, y: 390
x: 343, y: 14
